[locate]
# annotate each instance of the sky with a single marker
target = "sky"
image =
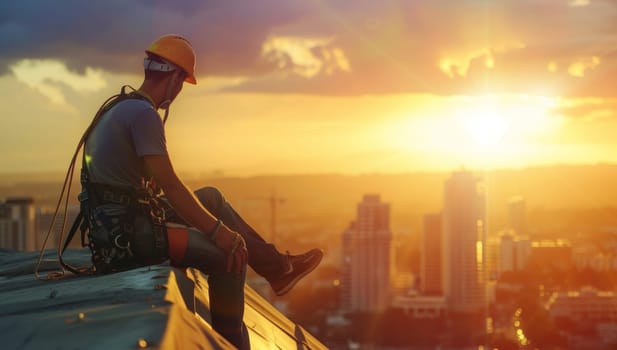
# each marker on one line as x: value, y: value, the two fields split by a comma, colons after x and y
x: 323, y: 86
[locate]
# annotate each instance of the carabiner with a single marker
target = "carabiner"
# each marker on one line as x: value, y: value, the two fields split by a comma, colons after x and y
x: 128, y: 244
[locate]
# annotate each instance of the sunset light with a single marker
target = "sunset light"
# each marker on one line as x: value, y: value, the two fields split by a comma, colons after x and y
x: 486, y: 131
x: 486, y: 126
x: 346, y: 91
x: 276, y: 174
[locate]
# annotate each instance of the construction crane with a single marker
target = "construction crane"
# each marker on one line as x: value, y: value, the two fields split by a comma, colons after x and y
x: 274, y: 201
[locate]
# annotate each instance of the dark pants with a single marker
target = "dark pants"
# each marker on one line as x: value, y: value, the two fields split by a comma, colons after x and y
x: 263, y: 256
x: 226, y: 289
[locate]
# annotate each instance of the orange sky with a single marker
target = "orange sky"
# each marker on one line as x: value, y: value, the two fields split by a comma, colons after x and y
x: 388, y: 88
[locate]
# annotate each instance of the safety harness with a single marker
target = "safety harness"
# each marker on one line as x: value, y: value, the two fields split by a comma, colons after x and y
x: 124, y: 227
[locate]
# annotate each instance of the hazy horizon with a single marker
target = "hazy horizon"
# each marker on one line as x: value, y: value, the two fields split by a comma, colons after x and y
x: 221, y: 173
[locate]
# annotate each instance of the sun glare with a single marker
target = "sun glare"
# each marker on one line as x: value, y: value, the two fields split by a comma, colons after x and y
x: 486, y: 126
x: 481, y: 131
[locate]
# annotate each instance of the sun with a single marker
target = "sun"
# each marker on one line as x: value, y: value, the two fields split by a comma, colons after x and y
x: 486, y: 125
x: 481, y: 131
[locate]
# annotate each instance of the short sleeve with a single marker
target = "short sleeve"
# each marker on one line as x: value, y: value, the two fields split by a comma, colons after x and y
x: 148, y: 133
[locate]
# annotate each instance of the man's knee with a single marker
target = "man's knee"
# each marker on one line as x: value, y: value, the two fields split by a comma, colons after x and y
x: 210, y: 197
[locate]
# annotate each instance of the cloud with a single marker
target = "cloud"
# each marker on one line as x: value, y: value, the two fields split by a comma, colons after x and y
x: 578, y: 68
x: 46, y: 75
x: 304, y: 56
x: 579, y: 3
x: 337, y: 46
x: 589, y: 109
x: 112, y: 34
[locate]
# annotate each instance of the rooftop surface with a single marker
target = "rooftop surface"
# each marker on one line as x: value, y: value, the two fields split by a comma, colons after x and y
x: 156, y: 307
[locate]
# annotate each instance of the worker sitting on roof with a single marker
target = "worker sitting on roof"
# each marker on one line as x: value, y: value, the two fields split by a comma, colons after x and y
x: 125, y: 172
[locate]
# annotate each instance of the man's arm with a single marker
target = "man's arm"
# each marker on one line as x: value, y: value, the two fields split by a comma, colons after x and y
x: 188, y: 207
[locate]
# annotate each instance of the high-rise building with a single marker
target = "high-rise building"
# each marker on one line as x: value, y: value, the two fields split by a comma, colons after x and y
x: 493, y: 256
x: 17, y: 224
x: 430, y: 255
x: 464, y: 242
x: 366, y: 258
x: 523, y: 253
x: 507, y: 253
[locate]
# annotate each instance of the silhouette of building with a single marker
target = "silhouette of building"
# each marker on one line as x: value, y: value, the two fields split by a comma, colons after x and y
x: 17, y: 224
x: 423, y: 306
x: 464, y: 241
x: 517, y: 215
x: 514, y: 253
x: 430, y: 256
x: 593, y: 259
x: 590, y: 314
x: 493, y: 256
x: 585, y: 305
x: 366, y: 258
x: 551, y: 254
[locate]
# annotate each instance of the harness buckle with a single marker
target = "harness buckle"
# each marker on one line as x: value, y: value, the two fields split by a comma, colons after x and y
x: 109, y: 196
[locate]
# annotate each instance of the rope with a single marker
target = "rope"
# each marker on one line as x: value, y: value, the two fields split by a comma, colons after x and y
x: 66, y: 187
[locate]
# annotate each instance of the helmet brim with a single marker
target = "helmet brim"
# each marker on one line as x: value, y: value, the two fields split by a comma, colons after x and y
x: 191, y: 79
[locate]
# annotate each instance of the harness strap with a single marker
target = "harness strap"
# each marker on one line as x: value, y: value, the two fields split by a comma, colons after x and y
x: 66, y: 190
x: 76, y: 224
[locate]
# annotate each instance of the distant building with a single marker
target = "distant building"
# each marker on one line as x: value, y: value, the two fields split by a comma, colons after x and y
x: 555, y: 254
x: 464, y: 242
x: 507, y: 256
x: 517, y: 215
x: 366, y: 258
x: 430, y: 256
x: 514, y: 252
x: 17, y: 224
x: 584, y: 306
x: 590, y: 316
x: 493, y: 253
x: 588, y: 256
x: 597, y: 262
x: 401, y: 283
x: 421, y: 306
x: 523, y: 248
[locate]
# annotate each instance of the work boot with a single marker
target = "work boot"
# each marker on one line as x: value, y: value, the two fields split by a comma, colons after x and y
x: 298, y: 266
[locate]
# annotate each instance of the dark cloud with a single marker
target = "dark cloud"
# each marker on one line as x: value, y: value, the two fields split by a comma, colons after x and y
x: 392, y: 46
x: 112, y: 34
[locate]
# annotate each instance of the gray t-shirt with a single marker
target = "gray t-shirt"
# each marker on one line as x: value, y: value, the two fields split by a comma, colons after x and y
x: 127, y: 132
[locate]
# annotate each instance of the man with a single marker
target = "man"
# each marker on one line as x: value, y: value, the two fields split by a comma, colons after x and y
x: 126, y: 148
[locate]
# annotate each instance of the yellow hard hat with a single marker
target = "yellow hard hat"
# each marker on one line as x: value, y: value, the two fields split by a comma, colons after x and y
x: 176, y: 50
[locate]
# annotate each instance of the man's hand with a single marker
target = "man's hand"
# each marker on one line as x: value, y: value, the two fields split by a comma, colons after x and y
x: 189, y: 208
x: 232, y: 244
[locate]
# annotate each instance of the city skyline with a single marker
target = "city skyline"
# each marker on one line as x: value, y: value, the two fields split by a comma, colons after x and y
x: 519, y: 256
